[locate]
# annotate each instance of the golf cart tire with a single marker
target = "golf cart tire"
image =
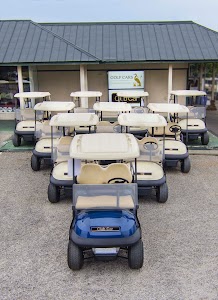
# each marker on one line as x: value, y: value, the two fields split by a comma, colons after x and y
x: 136, y: 255
x: 53, y: 193
x: 75, y: 257
x: 162, y: 193
x: 35, y: 163
x: 16, y: 140
x: 185, y: 165
x: 205, y: 138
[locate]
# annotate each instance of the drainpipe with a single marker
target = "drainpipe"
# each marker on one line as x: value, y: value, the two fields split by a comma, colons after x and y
x: 84, y: 84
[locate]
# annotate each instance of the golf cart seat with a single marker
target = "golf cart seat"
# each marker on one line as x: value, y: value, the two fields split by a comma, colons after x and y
x: 96, y: 174
x: 63, y: 148
x: 193, y: 125
x: 87, y: 202
x: 106, y: 126
x: 159, y: 131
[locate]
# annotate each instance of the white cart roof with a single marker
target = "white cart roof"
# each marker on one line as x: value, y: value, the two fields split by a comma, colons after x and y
x: 167, y: 108
x: 132, y: 94
x: 105, y: 146
x: 86, y: 94
x: 112, y: 106
x: 74, y: 119
x: 32, y: 95
x: 54, y: 106
x: 144, y: 120
x: 188, y: 93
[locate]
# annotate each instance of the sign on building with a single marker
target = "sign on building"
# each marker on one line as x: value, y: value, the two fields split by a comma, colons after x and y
x: 125, y: 80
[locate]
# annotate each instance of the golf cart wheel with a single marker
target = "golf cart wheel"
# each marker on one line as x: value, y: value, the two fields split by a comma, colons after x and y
x: 205, y: 138
x: 35, y: 163
x: 162, y: 193
x: 16, y: 140
x: 136, y: 255
x: 53, y: 193
x: 186, y: 165
x: 75, y: 257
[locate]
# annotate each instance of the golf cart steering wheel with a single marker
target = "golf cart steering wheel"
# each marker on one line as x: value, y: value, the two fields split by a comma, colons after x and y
x: 153, y: 144
x: 118, y: 180
x: 175, y: 129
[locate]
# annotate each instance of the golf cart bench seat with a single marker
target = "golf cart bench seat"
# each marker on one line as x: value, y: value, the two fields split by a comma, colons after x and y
x: 148, y: 170
x: 27, y: 125
x: 87, y: 202
x: 96, y: 174
x: 173, y: 146
x: 193, y: 124
x: 159, y: 131
x: 106, y: 126
x: 64, y: 144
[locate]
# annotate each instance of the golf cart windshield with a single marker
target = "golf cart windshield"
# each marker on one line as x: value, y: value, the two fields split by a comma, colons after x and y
x: 107, y: 196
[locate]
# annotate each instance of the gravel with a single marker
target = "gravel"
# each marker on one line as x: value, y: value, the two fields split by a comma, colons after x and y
x: 180, y: 240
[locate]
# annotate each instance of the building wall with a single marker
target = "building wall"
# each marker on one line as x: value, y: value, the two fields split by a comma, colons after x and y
x: 60, y: 81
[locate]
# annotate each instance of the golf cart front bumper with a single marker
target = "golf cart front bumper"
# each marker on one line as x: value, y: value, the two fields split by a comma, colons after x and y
x: 58, y: 182
x: 28, y: 136
x: 105, y: 242
x: 42, y: 154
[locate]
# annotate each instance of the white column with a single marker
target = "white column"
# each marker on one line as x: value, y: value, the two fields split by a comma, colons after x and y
x: 20, y: 79
x: 170, y: 80
x: 33, y: 79
x: 84, y: 84
x: 20, y: 83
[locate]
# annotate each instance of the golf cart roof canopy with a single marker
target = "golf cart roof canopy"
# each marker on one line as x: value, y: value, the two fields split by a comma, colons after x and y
x: 188, y: 93
x: 104, y: 146
x: 132, y: 94
x: 144, y: 120
x: 167, y: 108
x: 54, y: 106
x: 74, y: 119
x: 32, y: 95
x: 86, y: 94
x: 112, y: 106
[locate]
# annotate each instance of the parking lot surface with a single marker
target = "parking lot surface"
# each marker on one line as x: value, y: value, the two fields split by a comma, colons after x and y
x: 180, y: 240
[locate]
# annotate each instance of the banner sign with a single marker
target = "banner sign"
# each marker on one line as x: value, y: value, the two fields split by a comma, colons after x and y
x: 125, y: 80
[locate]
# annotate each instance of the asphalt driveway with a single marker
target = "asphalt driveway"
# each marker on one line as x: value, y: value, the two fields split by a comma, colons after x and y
x: 180, y: 240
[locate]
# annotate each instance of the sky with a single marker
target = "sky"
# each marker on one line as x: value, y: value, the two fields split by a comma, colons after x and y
x: 200, y: 11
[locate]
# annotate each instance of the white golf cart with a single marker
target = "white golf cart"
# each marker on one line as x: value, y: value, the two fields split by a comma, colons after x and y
x: 43, y: 147
x: 25, y: 116
x: 60, y: 176
x: 175, y: 150
x: 150, y: 172
x: 142, y: 108
x: 86, y: 96
x: 196, y: 102
x: 105, y: 201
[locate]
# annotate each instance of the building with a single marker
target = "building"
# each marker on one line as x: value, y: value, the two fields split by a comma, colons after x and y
x: 66, y: 57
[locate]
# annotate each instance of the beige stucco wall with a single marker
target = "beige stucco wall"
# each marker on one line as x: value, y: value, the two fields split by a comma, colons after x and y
x: 60, y: 81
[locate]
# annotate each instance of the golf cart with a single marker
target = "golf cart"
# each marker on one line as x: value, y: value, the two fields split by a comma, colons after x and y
x: 142, y: 108
x: 105, y: 201
x: 43, y: 146
x: 196, y: 102
x: 175, y: 150
x: 25, y: 116
x: 60, y: 178
x: 112, y: 107
x: 149, y: 167
x: 87, y: 95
